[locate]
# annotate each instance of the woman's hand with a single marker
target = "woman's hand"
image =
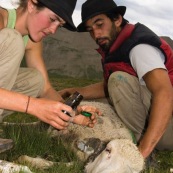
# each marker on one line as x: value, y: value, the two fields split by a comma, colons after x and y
x: 84, y: 120
x: 50, y: 112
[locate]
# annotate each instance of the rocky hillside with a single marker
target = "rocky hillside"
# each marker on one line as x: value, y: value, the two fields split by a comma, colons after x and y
x: 73, y: 54
x: 168, y: 40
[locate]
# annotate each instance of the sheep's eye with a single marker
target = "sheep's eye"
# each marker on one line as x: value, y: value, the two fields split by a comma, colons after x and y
x: 108, y: 150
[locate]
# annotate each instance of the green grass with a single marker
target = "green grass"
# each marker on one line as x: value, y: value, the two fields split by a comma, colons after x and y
x: 60, y: 82
x: 34, y: 141
x: 19, y: 117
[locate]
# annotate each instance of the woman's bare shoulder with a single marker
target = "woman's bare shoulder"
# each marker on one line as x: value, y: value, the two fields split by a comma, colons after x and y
x: 3, y: 18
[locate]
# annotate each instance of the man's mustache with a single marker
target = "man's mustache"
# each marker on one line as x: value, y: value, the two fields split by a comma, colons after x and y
x: 98, y: 40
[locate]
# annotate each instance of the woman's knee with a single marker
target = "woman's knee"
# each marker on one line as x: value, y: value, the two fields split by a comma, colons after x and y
x: 11, y: 42
x: 37, y: 82
x: 29, y: 81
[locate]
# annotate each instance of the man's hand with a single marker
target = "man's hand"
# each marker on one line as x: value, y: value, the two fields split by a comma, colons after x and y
x: 65, y: 93
x: 87, y: 121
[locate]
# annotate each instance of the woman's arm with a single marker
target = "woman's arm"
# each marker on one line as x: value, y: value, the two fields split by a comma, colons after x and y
x: 34, y: 59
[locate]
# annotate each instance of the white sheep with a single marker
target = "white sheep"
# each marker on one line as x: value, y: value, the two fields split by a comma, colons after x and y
x: 119, y: 156
x: 88, y: 143
x: 108, y: 127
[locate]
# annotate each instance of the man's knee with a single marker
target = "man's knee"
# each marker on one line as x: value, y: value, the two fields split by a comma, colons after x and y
x: 120, y: 82
x: 126, y: 95
x: 119, y: 78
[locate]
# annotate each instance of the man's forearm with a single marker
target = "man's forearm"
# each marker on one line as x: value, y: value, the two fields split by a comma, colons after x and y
x: 93, y: 91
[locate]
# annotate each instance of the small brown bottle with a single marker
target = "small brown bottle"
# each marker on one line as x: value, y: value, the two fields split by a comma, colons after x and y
x: 73, y: 101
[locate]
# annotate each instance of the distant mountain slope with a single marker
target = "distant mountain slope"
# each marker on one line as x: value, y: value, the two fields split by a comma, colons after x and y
x: 168, y: 40
x: 73, y: 54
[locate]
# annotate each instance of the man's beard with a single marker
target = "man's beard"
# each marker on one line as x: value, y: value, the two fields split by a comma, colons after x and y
x: 110, y: 40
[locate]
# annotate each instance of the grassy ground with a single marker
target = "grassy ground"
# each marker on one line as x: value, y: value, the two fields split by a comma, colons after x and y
x: 60, y: 82
x: 35, y: 141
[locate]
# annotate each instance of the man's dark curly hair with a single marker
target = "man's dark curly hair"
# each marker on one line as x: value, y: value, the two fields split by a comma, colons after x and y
x: 113, y: 16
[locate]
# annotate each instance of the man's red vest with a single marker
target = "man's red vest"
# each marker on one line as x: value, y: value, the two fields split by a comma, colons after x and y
x: 131, y: 35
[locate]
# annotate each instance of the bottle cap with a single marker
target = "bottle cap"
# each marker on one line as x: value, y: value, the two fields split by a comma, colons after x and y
x: 87, y: 114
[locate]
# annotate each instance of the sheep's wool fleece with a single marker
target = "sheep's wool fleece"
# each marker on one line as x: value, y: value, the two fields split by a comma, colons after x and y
x: 108, y: 126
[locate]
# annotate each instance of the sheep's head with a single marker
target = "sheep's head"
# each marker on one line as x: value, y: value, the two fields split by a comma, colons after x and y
x: 120, y: 155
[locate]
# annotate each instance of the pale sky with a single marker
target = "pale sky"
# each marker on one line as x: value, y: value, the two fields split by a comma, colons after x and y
x: 155, y: 14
